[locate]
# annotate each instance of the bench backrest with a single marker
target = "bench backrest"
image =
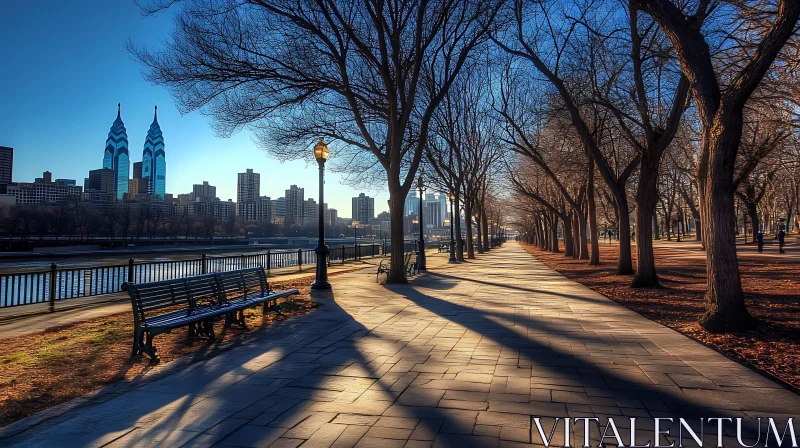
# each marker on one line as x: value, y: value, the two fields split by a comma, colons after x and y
x: 193, y: 291
x: 182, y: 293
x: 242, y: 282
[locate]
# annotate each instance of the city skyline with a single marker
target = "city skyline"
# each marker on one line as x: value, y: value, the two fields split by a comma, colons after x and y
x: 51, y: 84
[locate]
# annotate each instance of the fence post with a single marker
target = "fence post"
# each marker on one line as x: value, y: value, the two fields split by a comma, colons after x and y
x: 53, y: 268
x: 344, y: 253
x: 203, y: 264
x: 241, y: 262
x: 130, y: 270
x: 300, y: 258
x: 357, y: 253
x: 373, y: 250
x: 268, y: 260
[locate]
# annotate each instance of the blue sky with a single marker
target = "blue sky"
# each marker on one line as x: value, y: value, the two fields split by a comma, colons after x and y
x: 64, y: 68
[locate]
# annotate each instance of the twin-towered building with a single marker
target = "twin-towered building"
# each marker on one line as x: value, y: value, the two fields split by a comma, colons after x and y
x: 154, y: 163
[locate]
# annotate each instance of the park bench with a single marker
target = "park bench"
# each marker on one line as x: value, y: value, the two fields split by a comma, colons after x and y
x: 196, y: 302
x: 408, y: 266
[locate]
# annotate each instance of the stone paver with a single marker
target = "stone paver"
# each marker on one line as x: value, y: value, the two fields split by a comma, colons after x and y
x: 462, y: 356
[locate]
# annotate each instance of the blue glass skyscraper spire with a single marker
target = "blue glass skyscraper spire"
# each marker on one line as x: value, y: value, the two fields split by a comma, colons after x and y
x: 116, y: 155
x: 154, y: 162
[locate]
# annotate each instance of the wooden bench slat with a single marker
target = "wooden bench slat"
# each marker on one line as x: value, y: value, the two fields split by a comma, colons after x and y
x: 198, y: 300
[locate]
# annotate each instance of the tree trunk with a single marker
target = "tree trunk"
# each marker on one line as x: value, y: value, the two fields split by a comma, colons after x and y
x: 576, y: 240
x: 459, y: 238
x: 582, y: 234
x: 485, y: 224
x: 624, y: 264
x: 554, y: 234
x: 752, y: 212
x: 646, y: 200
x: 569, y: 248
x: 725, y: 308
x: 656, y: 233
x: 397, y: 273
x: 468, y: 229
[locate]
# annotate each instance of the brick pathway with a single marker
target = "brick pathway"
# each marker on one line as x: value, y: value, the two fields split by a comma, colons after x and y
x: 462, y: 356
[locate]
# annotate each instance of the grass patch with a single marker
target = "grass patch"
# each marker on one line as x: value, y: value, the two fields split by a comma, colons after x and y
x: 41, y: 370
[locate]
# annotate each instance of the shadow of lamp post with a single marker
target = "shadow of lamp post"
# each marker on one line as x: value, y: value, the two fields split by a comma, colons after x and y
x: 321, y: 153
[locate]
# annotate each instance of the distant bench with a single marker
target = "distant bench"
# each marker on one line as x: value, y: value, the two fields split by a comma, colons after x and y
x: 408, y: 267
x: 196, y: 302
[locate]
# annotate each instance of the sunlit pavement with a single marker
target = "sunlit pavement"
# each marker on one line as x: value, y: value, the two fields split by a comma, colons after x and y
x: 462, y: 356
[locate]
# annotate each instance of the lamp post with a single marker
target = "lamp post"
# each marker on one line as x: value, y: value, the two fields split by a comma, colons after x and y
x: 452, y: 238
x: 421, y: 253
x: 321, y: 153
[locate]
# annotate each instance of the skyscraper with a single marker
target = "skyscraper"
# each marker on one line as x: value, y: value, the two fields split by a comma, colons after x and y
x: 101, y: 180
x: 154, y: 162
x: 6, y: 167
x: 116, y: 155
x: 294, y: 205
x: 310, y: 213
x: 363, y: 208
x: 204, y: 192
x: 278, y: 211
x: 247, y: 192
x: 411, y: 205
x: 264, y: 212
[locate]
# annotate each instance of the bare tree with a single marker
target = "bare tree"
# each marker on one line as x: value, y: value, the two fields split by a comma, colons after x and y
x: 741, y: 67
x: 544, y: 34
x: 348, y: 71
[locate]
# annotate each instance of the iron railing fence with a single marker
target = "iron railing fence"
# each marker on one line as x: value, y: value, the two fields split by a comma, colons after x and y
x: 55, y: 284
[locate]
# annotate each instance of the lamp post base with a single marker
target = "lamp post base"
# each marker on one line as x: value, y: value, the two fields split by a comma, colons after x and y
x: 321, y: 281
x: 321, y: 286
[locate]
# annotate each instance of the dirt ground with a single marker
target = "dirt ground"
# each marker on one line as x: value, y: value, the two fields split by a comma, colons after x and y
x: 42, y: 370
x: 771, y: 285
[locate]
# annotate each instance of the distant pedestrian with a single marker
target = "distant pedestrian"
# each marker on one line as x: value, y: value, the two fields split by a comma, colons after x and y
x: 760, y: 241
x: 781, y: 240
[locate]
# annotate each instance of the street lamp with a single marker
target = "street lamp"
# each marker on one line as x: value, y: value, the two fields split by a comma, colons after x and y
x: 421, y: 253
x: 452, y: 238
x: 321, y: 153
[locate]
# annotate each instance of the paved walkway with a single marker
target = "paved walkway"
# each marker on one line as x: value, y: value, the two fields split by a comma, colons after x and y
x: 462, y: 356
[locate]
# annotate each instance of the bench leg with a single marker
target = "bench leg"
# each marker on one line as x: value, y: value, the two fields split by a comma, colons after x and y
x: 137, y: 342
x: 206, y: 328
x: 149, y: 349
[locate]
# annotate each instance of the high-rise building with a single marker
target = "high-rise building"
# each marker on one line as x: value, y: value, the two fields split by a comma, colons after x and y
x: 154, y: 162
x: 442, y: 206
x: 334, y: 216
x: 310, y: 212
x: 47, y: 178
x: 137, y: 170
x: 116, y: 155
x: 264, y: 211
x: 102, y: 180
x: 204, y: 192
x: 248, y: 190
x: 65, y: 182
x: 35, y: 193
x: 411, y: 204
x: 294, y: 205
x: 363, y: 208
x: 278, y: 211
x: 432, y: 215
x: 6, y: 164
